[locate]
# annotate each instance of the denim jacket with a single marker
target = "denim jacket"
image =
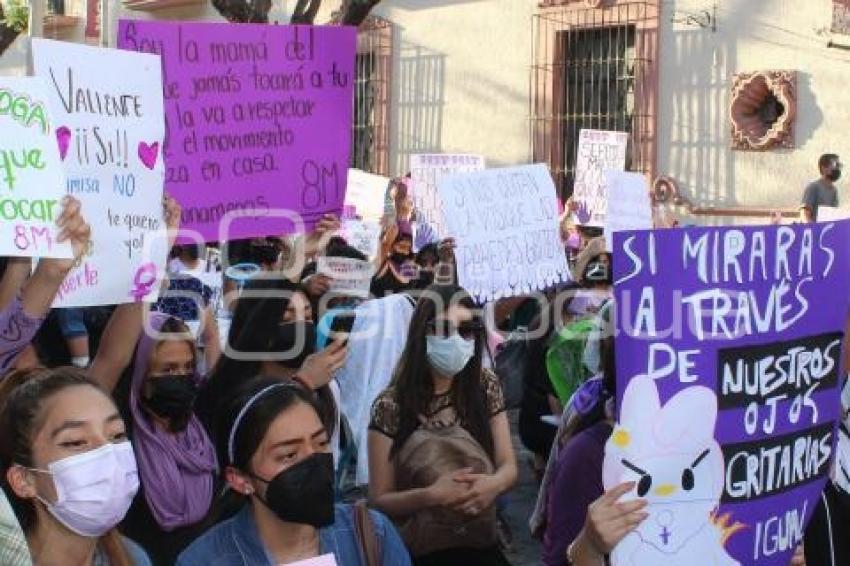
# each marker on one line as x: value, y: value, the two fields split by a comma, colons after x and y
x: 236, y: 542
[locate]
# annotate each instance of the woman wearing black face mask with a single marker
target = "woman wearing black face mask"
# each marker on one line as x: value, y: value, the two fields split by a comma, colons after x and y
x: 272, y: 334
x: 397, y: 271
x: 277, y: 455
x: 176, y: 458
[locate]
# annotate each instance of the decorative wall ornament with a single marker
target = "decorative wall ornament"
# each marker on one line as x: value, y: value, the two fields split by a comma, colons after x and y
x: 763, y: 109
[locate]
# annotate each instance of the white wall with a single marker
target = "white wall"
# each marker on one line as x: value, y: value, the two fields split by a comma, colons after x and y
x: 696, y: 71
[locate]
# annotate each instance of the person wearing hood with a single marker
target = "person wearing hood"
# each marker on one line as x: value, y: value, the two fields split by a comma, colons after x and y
x: 176, y: 459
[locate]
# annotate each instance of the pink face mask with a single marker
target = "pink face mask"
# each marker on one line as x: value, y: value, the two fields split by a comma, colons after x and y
x: 94, y: 490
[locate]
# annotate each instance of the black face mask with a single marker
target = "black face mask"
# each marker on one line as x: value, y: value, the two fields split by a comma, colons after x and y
x: 834, y: 175
x: 304, y: 493
x: 172, y: 397
x: 399, y: 258
x: 287, y: 340
x: 426, y: 278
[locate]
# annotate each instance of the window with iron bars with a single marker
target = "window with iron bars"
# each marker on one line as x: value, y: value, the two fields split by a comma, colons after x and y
x: 370, y: 126
x: 594, y: 68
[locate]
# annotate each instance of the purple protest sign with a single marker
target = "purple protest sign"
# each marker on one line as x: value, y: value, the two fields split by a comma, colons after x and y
x: 258, y: 121
x: 728, y: 369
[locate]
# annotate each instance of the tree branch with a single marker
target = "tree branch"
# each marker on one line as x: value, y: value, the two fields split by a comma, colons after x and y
x: 355, y: 12
x: 305, y: 12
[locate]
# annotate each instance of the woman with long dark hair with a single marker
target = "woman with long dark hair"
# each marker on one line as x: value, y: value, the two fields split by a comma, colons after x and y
x: 272, y: 334
x: 275, y: 454
x: 439, y: 443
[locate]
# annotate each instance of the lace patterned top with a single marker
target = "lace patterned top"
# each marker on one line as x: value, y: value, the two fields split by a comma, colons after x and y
x: 385, y: 410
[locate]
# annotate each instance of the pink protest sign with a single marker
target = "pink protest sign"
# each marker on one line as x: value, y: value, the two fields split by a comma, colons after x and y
x: 258, y: 121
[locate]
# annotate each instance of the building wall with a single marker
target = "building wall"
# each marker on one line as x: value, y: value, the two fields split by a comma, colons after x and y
x: 697, y: 67
x: 461, y: 84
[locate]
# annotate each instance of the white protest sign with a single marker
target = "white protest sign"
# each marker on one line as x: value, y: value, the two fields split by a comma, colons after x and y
x: 323, y: 560
x: 365, y: 192
x: 32, y: 182
x: 348, y: 276
x: 629, y: 205
x: 598, y: 151
x: 425, y: 174
x: 108, y: 111
x: 362, y: 235
x: 505, y: 222
x: 832, y: 213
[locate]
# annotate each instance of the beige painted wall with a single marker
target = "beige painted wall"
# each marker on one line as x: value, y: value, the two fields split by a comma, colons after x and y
x: 696, y: 71
x: 460, y: 84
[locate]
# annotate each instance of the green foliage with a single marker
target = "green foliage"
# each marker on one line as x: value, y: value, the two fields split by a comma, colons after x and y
x: 17, y: 15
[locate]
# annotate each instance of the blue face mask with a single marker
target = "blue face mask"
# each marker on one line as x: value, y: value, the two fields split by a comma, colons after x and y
x: 448, y: 356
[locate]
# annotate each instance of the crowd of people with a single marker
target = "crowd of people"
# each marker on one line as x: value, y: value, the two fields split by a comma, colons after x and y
x: 269, y: 419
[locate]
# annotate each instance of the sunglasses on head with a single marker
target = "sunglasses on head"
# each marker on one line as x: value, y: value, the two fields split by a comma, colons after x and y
x: 444, y: 328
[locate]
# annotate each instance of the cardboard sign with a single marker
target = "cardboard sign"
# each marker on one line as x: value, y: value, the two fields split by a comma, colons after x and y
x: 362, y: 235
x: 506, y: 225
x: 426, y: 171
x: 348, y: 276
x: 832, y: 213
x: 259, y: 122
x: 32, y: 182
x: 108, y: 116
x: 629, y: 205
x: 598, y: 151
x: 728, y: 379
x: 365, y: 194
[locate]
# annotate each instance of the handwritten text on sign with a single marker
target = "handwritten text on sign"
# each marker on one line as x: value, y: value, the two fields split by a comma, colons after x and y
x: 739, y: 335
x: 32, y: 182
x: 107, y: 109
x: 598, y: 151
x: 258, y: 119
x: 425, y: 174
x: 506, y: 225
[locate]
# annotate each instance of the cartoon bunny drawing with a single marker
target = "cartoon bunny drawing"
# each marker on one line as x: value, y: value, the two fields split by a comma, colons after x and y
x: 671, y: 454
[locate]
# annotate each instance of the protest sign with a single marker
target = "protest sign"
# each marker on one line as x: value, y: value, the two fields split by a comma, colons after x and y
x: 323, y: 560
x: 832, y: 213
x: 629, y: 205
x: 362, y: 235
x: 32, y: 182
x: 426, y: 171
x: 107, y: 109
x: 728, y: 387
x: 506, y: 225
x: 348, y: 276
x: 258, y: 119
x: 598, y: 151
x: 365, y: 193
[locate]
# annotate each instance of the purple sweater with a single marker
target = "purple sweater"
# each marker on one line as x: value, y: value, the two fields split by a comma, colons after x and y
x: 575, y: 484
x: 17, y: 329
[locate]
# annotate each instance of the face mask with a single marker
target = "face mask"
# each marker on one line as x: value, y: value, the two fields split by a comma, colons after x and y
x: 303, y: 493
x: 172, y: 396
x: 399, y: 258
x: 598, y: 272
x: 448, y: 356
x: 295, y: 338
x: 426, y: 278
x: 94, y: 490
x: 834, y: 175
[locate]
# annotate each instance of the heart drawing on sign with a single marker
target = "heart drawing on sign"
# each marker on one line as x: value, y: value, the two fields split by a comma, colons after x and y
x: 63, y: 136
x: 149, y: 153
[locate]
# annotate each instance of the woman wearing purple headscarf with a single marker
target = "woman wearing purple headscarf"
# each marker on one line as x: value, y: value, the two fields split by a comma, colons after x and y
x: 176, y: 460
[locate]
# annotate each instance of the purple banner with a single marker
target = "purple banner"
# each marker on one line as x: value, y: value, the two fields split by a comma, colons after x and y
x: 728, y: 349
x: 258, y: 121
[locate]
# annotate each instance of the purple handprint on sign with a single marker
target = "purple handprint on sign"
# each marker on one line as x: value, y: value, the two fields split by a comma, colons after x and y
x: 582, y: 212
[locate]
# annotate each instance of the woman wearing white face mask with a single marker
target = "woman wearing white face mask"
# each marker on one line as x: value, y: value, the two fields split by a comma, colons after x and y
x: 69, y: 471
x: 439, y: 443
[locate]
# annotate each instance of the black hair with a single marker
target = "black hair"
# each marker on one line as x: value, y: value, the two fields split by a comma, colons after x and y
x: 427, y: 253
x: 342, y: 249
x: 412, y: 383
x: 257, y: 419
x: 826, y: 160
x: 259, y: 312
x: 191, y: 250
